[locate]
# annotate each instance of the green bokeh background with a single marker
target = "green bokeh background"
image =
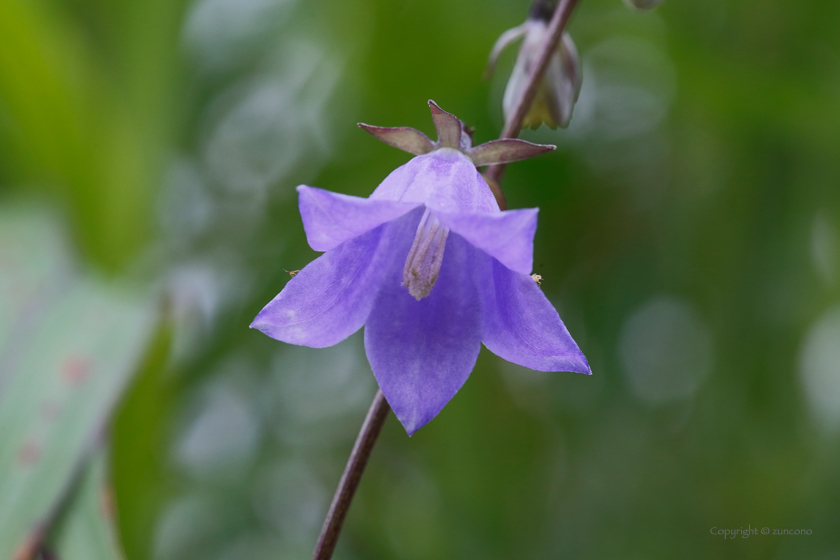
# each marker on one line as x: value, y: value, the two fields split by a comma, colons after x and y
x: 688, y: 236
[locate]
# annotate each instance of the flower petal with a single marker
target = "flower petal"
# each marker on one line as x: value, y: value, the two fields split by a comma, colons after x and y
x: 332, y: 296
x: 505, y: 39
x: 330, y: 218
x: 507, y: 236
x: 520, y: 325
x: 571, y: 63
x: 444, y: 180
x: 562, y: 82
x: 423, y: 351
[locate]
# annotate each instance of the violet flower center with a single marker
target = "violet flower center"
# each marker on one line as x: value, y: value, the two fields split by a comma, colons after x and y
x: 422, y: 266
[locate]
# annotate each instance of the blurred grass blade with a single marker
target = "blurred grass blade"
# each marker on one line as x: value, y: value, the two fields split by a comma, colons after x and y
x: 70, y: 346
x: 85, y: 114
x: 86, y: 528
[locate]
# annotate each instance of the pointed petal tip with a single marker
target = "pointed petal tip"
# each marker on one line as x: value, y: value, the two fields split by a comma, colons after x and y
x: 261, y: 322
x: 583, y: 367
x: 304, y: 190
x: 261, y: 327
x: 576, y: 362
x: 410, y: 419
x: 569, y: 364
x: 411, y: 427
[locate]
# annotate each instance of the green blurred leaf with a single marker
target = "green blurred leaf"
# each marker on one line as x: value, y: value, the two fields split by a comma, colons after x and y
x: 70, y: 344
x: 90, y: 127
x: 85, y: 530
x: 139, y: 430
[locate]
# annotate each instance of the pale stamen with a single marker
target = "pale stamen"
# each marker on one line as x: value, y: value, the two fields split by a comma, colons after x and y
x: 422, y: 266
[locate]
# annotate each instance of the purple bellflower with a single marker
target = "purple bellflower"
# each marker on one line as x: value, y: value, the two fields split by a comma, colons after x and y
x: 431, y: 267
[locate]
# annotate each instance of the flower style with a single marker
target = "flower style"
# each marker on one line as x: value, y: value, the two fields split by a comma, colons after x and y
x: 560, y: 87
x: 431, y: 267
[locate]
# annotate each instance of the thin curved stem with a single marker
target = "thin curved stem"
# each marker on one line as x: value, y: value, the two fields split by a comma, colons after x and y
x: 514, y: 123
x: 376, y: 416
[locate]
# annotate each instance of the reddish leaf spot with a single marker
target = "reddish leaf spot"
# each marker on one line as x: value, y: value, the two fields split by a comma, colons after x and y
x: 75, y: 369
x: 29, y: 453
x: 30, y: 546
x: 19, y: 290
x: 106, y: 502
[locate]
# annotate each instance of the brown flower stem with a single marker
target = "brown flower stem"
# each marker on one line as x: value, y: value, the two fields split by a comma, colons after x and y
x: 376, y: 416
x: 514, y: 124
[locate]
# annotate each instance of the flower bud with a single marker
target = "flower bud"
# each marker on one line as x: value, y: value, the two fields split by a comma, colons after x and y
x: 561, y: 84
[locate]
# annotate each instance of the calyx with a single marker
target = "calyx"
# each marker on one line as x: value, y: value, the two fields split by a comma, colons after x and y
x: 453, y: 134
